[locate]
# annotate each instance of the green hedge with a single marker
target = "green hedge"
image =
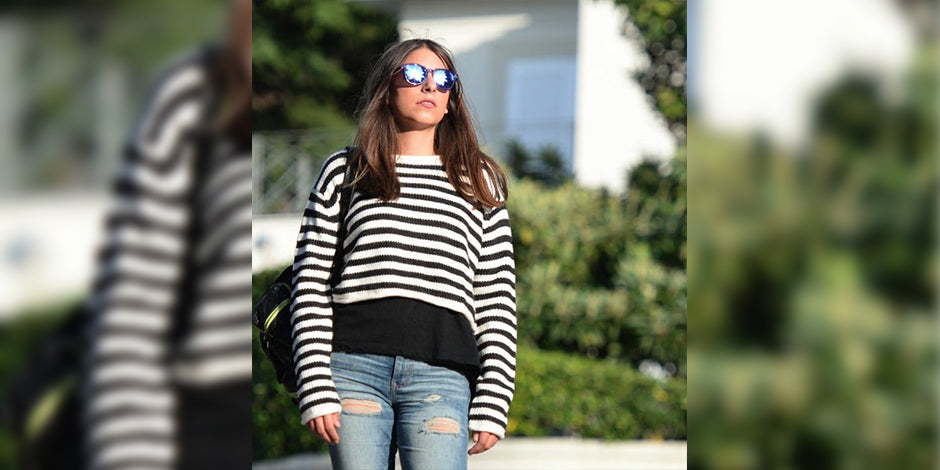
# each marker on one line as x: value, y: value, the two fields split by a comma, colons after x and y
x: 582, y: 230
x: 604, y: 276
x: 562, y: 394
x: 644, y: 317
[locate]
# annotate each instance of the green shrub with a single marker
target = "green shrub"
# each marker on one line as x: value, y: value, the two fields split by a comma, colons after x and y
x: 603, y: 277
x: 582, y: 230
x: 645, y: 319
x: 561, y: 394
x: 657, y: 307
x: 656, y: 209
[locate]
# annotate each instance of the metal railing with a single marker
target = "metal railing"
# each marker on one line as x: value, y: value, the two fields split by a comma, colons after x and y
x: 285, y: 164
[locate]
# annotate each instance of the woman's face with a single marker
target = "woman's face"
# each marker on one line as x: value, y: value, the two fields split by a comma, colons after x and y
x: 418, y: 107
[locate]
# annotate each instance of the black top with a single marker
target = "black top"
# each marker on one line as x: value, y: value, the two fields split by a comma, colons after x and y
x: 398, y: 326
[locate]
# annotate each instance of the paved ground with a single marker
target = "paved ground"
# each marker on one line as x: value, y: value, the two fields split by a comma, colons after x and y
x: 542, y: 454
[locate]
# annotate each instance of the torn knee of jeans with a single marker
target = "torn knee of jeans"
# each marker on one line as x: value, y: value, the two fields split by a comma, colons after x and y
x: 442, y: 425
x: 358, y: 406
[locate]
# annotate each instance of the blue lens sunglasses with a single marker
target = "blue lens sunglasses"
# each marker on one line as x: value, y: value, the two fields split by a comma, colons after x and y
x: 416, y: 74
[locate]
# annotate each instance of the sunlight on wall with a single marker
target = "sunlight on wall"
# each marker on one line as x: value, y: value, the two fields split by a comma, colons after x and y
x: 807, y: 46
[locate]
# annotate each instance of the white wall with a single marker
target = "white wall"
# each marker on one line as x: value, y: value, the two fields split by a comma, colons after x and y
x: 273, y: 239
x: 615, y: 126
x: 48, y: 247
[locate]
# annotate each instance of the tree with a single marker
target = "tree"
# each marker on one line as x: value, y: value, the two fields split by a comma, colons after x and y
x: 547, y: 166
x: 660, y: 26
x: 309, y: 59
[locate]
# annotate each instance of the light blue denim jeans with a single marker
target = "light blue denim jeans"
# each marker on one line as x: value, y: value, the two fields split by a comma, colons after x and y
x: 395, y: 403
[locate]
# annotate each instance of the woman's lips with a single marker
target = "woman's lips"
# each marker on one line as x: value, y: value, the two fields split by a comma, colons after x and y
x: 427, y: 104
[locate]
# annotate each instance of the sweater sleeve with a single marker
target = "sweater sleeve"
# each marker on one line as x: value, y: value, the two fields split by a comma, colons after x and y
x: 494, y: 292
x: 311, y: 312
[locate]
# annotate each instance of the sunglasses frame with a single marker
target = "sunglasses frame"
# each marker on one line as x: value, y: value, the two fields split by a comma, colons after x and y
x: 427, y: 72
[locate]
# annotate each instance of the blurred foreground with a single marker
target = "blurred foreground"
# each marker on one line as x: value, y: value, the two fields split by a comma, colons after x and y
x: 151, y: 368
x: 813, y: 262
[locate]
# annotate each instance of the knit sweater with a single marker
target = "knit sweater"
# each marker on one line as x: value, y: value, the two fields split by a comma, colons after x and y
x: 431, y: 245
x: 171, y: 226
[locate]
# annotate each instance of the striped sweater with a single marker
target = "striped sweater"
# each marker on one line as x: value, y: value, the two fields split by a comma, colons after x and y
x: 430, y: 245
x: 171, y: 226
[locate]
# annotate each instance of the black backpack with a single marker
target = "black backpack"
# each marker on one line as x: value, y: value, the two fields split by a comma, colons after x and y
x: 271, y: 314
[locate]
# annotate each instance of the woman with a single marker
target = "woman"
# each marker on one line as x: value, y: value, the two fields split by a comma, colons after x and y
x: 415, y: 343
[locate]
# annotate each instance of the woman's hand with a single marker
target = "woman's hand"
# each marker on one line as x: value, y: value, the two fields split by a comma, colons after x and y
x: 484, y: 442
x: 325, y: 427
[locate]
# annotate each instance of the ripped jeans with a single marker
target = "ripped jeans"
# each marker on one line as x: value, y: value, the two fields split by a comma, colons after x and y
x: 395, y: 403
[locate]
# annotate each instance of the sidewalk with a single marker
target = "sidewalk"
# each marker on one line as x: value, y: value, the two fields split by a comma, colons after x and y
x: 542, y: 453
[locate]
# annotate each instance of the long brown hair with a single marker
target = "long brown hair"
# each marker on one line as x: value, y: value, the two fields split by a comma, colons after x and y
x: 475, y: 176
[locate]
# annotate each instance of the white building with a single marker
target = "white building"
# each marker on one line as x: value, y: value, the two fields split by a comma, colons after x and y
x: 549, y: 72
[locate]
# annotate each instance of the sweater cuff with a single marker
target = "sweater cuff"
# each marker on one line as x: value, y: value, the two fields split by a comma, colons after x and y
x: 320, y: 410
x: 482, y: 425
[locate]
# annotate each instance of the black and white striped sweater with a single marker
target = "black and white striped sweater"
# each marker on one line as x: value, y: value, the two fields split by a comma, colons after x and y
x: 171, y: 225
x: 431, y: 245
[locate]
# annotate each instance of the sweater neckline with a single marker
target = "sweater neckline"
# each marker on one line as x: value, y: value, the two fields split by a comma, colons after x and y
x: 425, y: 159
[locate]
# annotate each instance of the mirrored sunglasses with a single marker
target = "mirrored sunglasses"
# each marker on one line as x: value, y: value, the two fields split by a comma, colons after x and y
x: 416, y: 74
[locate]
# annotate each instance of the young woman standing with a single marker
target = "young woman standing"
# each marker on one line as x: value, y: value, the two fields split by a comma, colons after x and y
x: 413, y: 348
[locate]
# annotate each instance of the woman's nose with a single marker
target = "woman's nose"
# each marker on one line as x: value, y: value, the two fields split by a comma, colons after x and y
x: 429, y: 84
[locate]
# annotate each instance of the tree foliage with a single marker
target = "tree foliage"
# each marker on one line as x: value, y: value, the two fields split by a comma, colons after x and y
x: 814, y: 286
x: 660, y: 26
x: 546, y: 165
x: 600, y: 275
x: 309, y: 60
